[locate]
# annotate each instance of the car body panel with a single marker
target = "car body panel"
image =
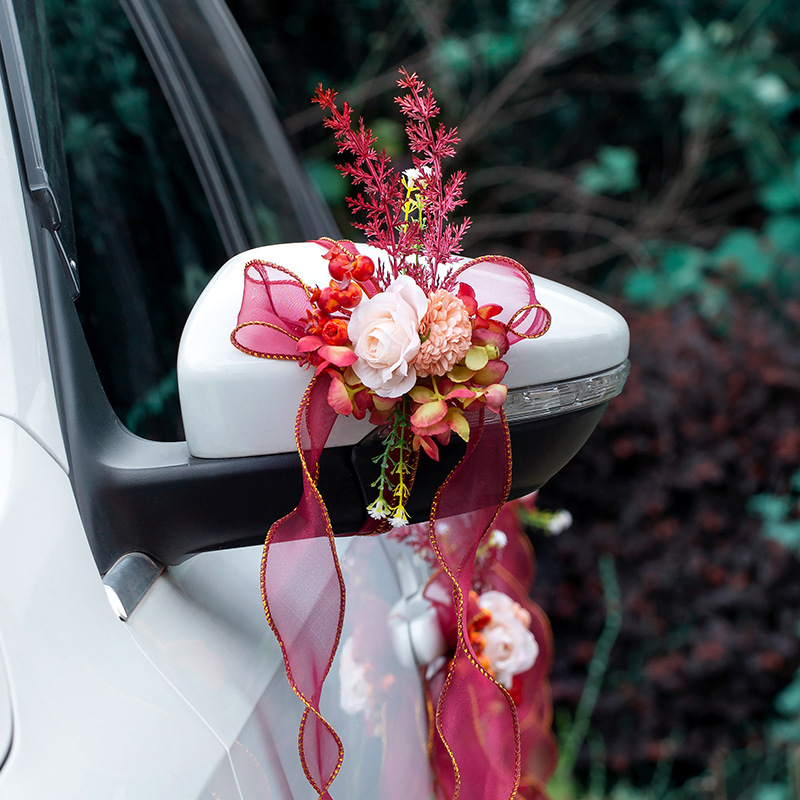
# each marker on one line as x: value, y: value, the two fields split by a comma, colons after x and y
x: 88, y: 706
x: 202, y: 626
x: 6, y: 712
x: 26, y: 388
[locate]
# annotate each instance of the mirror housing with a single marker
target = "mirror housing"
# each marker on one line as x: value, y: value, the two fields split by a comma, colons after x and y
x: 235, y: 405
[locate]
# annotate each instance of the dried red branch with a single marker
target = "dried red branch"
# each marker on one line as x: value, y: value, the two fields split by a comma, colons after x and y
x: 382, y: 198
x: 416, y: 249
x: 440, y: 239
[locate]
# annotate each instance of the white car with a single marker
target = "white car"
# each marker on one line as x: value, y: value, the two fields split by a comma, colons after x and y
x: 135, y: 658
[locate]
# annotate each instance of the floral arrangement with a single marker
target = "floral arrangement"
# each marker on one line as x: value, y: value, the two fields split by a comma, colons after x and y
x: 406, y: 341
x: 413, y: 338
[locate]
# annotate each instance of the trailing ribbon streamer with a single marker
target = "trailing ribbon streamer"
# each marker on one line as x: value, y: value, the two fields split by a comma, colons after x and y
x: 488, y: 739
x: 288, y: 607
x: 495, y: 773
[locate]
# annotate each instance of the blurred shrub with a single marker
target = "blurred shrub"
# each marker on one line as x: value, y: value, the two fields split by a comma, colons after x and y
x: 765, y: 264
x: 780, y: 515
x: 617, y: 143
x: 707, y: 430
x: 614, y: 172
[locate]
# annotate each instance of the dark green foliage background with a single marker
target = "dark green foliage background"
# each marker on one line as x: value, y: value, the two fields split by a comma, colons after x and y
x: 648, y: 152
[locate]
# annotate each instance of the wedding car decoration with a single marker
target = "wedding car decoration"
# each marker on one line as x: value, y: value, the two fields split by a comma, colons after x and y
x: 413, y: 339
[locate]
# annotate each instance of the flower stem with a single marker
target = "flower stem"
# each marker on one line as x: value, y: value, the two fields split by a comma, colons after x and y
x: 393, y: 481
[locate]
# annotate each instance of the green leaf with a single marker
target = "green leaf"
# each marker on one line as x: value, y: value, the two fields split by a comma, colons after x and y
x: 455, y: 55
x: 783, y: 192
x: 770, y: 90
x: 772, y: 791
x: 788, y: 701
x: 498, y: 49
x: 391, y: 136
x: 783, y: 731
x: 684, y: 268
x: 783, y: 233
x: 529, y: 13
x: 644, y: 286
x: 195, y: 279
x: 329, y: 181
x: 132, y: 108
x: 786, y: 534
x: 770, y: 507
x: 742, y: 250
x: 614, y: 173
x: 713, y: 300
x: 680, y: 272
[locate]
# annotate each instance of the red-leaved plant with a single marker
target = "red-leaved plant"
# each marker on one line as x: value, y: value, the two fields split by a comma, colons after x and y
x: 415, y: 245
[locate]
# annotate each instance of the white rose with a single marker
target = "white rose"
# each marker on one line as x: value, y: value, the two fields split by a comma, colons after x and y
x: 384, y: 330
x: 510, y: 646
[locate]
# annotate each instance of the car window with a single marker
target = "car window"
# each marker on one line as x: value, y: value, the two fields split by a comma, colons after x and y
x: 146, y: 239
x: 45, y: 151
x: 153, y: 218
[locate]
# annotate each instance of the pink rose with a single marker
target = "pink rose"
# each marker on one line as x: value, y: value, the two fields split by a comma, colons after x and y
x: 384, y: 330
x: 510, y: 646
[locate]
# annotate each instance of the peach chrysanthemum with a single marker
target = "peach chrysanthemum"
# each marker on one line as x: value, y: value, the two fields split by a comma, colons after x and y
x: 446, y: 333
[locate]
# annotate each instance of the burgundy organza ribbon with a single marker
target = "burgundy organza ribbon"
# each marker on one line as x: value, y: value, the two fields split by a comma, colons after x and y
x: 513, y: 573
x: 484, y: 763
x: 302, y: 587
x: 481, y: 730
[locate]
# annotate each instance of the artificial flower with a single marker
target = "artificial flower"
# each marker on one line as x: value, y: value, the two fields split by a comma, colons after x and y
x: 414, y: 178
x: 384, y: 330
x: 379, y: 508
x: 498, y: 539
x: 508, y: 644
x: 446, y: 333
x: 561, y: 521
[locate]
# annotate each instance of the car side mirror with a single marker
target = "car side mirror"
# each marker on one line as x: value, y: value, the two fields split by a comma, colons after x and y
x: 237, y: 406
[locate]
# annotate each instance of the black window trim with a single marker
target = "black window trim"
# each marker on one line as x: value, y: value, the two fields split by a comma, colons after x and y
x: 18, y: 87
x: 197, y: 124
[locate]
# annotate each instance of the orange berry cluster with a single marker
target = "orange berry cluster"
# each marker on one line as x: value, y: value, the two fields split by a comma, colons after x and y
x: 342, y: 294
